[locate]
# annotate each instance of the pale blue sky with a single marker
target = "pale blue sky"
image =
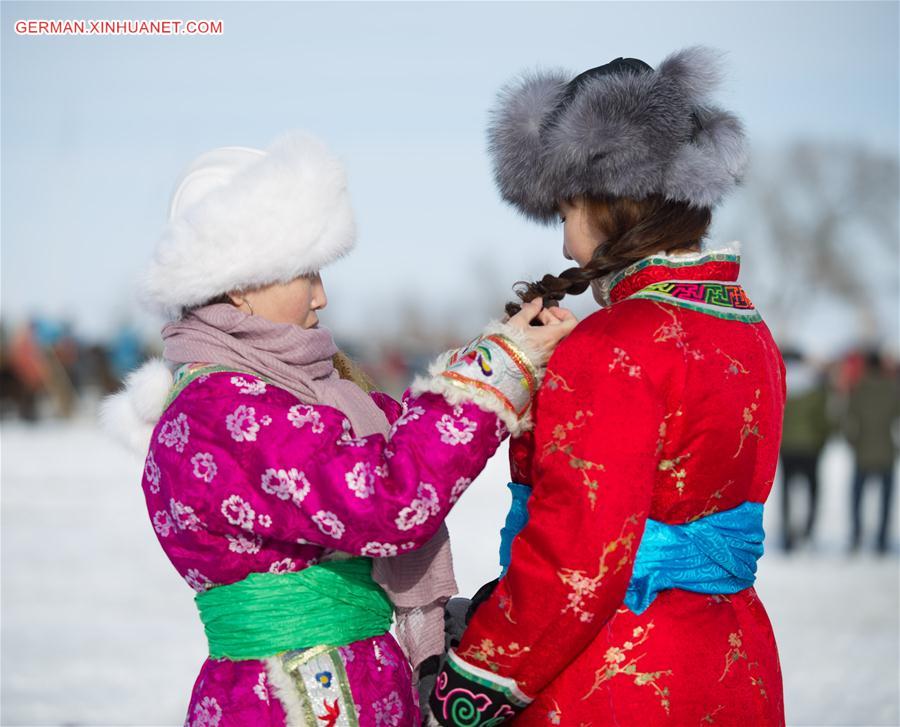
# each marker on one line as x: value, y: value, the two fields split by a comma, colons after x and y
x: 96, y: 129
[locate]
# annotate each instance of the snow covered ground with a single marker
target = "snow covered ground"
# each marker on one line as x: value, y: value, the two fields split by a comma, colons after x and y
x: 98, y: 629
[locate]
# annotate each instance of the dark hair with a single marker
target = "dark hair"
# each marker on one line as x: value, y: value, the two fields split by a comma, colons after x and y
x: 634, y: 229
x: 223, y: 298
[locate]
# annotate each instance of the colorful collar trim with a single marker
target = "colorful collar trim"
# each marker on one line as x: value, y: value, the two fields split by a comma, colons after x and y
x: 186, y: 373
x: 704, y: 281
x: 719, y: 299
x: 712, y: 265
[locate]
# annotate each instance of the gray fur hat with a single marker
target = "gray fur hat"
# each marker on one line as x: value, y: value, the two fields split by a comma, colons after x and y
x: 622, y: 129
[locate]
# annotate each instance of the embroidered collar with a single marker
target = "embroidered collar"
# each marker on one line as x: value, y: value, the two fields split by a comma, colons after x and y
x: 704, y: 281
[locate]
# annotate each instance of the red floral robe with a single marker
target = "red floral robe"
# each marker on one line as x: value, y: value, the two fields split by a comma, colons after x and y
x: 666, y: 404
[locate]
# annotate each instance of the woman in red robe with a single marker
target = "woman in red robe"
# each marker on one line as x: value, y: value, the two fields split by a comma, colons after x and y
x: 629, y: 597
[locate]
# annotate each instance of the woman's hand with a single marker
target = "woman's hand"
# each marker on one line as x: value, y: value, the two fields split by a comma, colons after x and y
x: 542, y: 340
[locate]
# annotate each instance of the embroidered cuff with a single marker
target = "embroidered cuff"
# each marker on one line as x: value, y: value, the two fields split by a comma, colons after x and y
x: 468, y: 695
x: 495, y: 371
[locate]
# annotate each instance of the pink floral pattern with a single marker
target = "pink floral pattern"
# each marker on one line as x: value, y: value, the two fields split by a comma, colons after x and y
x: 242, y: 544
x: 379, y: 550
x: 459, y: 487
x: 285, y: 565
x: 360, y: 481
x: 242, y: 424
x: 420, y: 509
x: 152, y: 473
x: 196, y: 580
x: 388, y: 711
x: 163, y: 523
x: 301, y: 414
x: 285, y: 484
x: 207, y: 713
x: 252, y: 386
x: 204, y: 466
x: 229, y: 494
x: 184, y: 516
x: 239, y: 512
x: 175, y: 433
x: 329, y: 523
x: 260, y: 689
x: 456, y: 431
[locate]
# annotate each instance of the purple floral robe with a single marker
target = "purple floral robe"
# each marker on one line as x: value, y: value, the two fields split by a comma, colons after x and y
x: 242, y: 478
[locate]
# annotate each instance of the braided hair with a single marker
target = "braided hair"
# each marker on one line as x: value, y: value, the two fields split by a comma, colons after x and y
x: 634, y: 229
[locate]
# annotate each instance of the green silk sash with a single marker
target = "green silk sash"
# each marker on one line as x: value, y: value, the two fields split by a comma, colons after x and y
x: 333, y: 604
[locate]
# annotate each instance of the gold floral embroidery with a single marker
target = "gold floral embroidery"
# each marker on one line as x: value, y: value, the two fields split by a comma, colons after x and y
x: 751, y: 426
x: 734, y: 367
x: 561, y: 432
x: 616, y: 655
x: 554, y: 381
x: 709, y: 508
x: 734, y: 653
x: 664, y: 430
x: 504, y: 603
x: 554, y: 716
x: 558, y: 444
x: 584, y: 587
x: 676, y: 473
x: 625, y: 362
x: 674, y: 331
x: 486, y: 652
x: 757, y: 681
x: 710, y: 717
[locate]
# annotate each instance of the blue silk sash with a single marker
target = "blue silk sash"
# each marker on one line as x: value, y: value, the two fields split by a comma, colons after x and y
x: 516, y: 519
x: 714, y: 554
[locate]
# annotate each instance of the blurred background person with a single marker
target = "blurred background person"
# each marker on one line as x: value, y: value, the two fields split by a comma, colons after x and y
x: 807, y: 427
x: 26, y: 371
x: 873, y: 409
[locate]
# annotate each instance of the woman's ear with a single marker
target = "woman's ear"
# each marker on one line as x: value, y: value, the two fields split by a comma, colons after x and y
x: 238, y: 298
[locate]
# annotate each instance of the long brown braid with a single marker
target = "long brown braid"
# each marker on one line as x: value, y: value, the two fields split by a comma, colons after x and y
x: 634, y: 230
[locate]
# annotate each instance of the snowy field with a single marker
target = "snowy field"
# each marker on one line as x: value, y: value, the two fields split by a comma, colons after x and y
x: 98, y: 629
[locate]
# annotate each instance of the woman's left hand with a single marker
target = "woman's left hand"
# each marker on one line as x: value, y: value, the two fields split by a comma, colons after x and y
x: 542, y: 340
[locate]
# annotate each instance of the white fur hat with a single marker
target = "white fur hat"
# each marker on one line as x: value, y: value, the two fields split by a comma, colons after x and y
x: 241, y: 218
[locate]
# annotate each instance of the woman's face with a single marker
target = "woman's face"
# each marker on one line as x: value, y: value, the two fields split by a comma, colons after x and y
x: 296, y: 302
x: 580, y: 238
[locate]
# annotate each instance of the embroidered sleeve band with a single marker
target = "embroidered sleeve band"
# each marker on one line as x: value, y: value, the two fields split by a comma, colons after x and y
x: 492, y: 371
x: 468, y: 695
